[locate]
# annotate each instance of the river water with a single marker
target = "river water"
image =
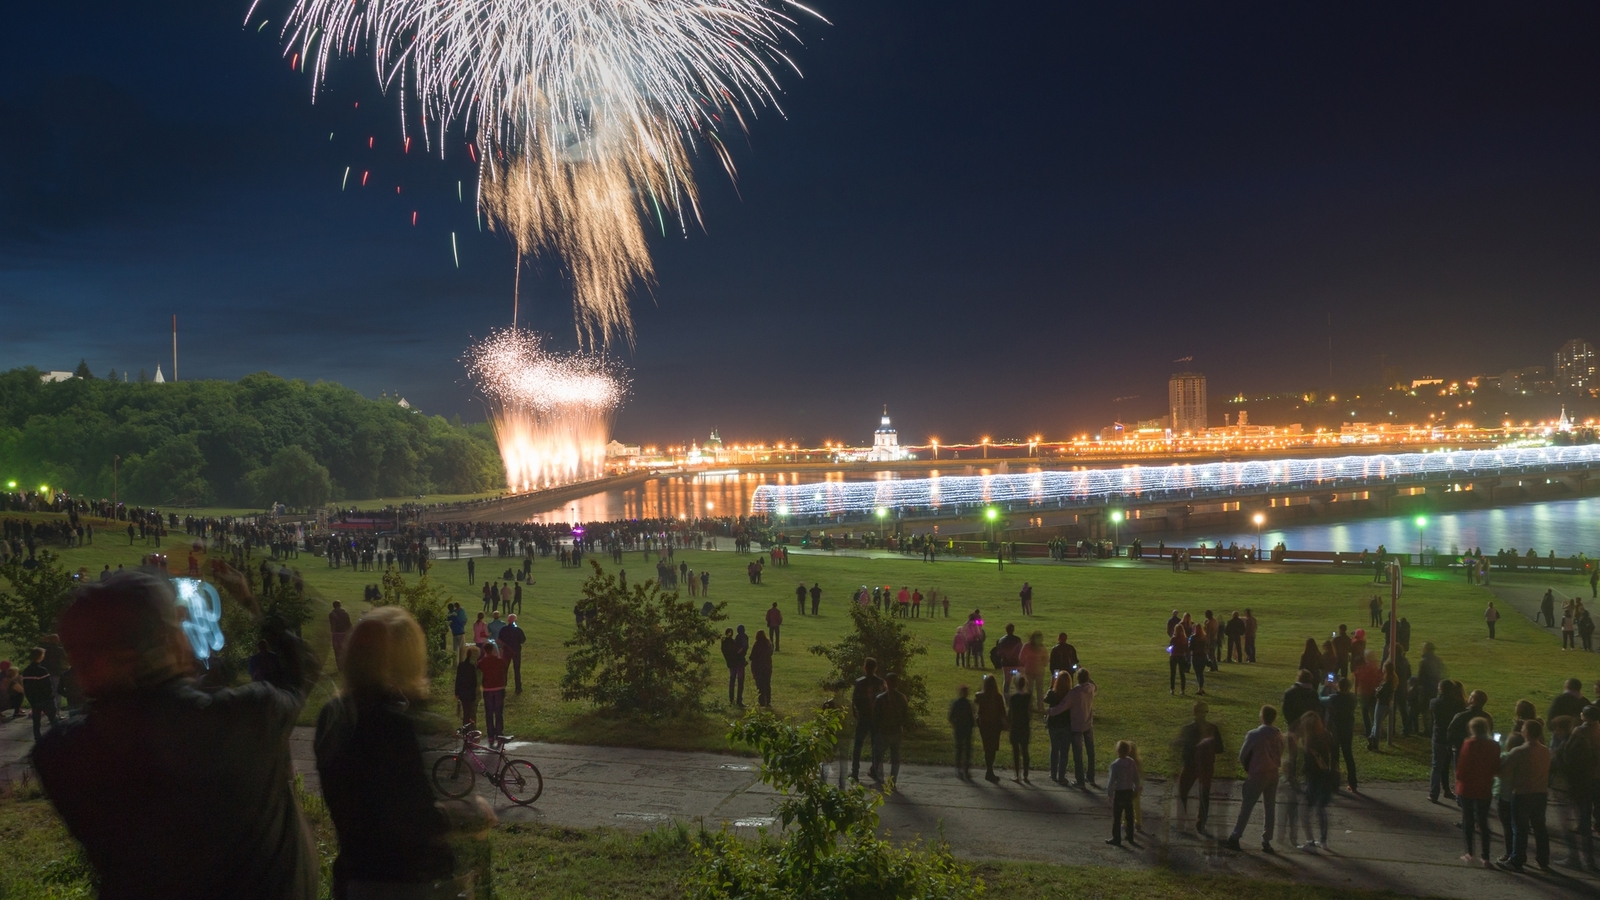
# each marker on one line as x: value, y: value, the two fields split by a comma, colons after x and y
x: 1568, y: 527
x: 1565, y: 526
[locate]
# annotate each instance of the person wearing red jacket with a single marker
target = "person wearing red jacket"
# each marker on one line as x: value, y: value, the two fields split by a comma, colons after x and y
x: 493, y: 666
x: 1477, y: 764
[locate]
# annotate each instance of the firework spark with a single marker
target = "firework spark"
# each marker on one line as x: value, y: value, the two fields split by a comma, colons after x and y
x: 588, y: 111
x: 552, y: 411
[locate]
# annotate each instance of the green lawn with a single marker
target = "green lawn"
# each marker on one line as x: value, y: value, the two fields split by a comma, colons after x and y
x: 43, y: 863
x: 1114, y: 615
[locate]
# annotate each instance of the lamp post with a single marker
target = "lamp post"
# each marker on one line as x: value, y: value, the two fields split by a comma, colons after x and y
x: 1422, y: 523
x: 1116, y: 522
x: 993, y: 516
x: 1259, y: 519
x: 985, y: 448
x: 935, y: 448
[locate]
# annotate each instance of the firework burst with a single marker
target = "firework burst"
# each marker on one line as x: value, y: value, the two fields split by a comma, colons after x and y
x: 588, y: 111
x: 552, y: 411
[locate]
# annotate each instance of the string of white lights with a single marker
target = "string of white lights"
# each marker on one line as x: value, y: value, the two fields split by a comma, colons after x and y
x: 1081, y: 486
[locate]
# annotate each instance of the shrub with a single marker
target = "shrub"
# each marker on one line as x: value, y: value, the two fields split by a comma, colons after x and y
x: 829, y: 847
x: 34, y: 600
x: 643, y: 651
x: 425, y: 601
x: 885, y: 639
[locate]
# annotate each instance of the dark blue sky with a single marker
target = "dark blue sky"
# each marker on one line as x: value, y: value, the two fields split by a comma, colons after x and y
x: 994, y: 217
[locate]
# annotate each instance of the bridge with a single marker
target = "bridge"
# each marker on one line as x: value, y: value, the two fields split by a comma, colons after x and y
x: 1176, y: 490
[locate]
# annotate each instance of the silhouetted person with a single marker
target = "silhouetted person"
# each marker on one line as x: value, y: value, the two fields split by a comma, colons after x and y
x: 203, y: 804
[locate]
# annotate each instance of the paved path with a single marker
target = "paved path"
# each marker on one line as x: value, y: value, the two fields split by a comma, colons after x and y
x: 1389, y: 837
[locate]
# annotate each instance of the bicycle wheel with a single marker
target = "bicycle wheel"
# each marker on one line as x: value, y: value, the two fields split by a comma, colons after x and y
x: 453, y: 776
x: 521, y: 781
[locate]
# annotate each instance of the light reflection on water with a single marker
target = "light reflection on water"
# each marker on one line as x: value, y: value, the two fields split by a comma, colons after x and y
x: 1565, y: 526
x: 1568, y: 527
x: 672, y: 496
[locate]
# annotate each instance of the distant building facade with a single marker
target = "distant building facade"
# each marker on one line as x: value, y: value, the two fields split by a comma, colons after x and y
x: 885, y: 442
x: 1575, y: 367
x: 1186, y: 400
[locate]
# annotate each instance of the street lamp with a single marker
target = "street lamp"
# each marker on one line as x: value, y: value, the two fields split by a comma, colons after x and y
x: 1259, y: 519
x: 1422, y: 523
x: 935, y: 448
x: 993, y: 516
x: 1116, y: 521
x: 985, y: 448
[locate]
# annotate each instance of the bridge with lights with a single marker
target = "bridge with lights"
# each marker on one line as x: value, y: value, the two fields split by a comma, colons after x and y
x: 1176, y: 491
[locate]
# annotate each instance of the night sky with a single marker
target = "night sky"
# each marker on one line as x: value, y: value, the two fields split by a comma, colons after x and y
x: 997, y: 218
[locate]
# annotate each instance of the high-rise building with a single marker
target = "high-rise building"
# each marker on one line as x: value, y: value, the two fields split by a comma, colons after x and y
x: 1186, y: 397
x: 1575, y: 367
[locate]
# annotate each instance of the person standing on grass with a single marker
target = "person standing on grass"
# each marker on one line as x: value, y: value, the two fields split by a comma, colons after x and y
x: 1020, y: 709
x: 206, y: 775
x: 1178, y: 660
x: 867, y: 687
x: 1234, y: 631
x: 1477, y: 765
x: 1080, y: 701
x: 816, y: 597
x: 1250, y: 626
x: 457, y: 617
x: 36, y: 688
x: 1026, y: 595
x: 992, y: 720
x: 1340, y: 712
x: 512, y: 638
x: 1443, y: 710
x: 467, y: 685
x: 480, y: 632
x: 1122, y: 784
x: 1200, y: 656
x: 1063, y: 656
x: 962, y: 720
x: 1198, y: 746
x: 890, y: 713
x: 1035, y: 660
x: 734, y: 655
x: 761, y: 668
x: 775, y: 624
x: 1058, y: 726
x: 338, y: 631
x: 1569, y: 630
x: 1491, y: 616
x: 799, y: 596
x: 493, y: 668
x: 1261, y: 756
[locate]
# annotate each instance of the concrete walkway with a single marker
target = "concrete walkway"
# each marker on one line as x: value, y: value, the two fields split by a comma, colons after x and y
x: 1389, y: 837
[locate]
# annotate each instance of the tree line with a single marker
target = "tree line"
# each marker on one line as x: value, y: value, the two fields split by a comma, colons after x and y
x: 251, y: 442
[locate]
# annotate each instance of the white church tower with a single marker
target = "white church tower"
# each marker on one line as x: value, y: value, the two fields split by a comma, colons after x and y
x: 885, y: 442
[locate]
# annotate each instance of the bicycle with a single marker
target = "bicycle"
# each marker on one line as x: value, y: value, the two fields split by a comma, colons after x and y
x: 455, y: 773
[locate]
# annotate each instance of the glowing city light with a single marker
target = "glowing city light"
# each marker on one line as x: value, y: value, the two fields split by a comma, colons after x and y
x: 1087, y: 486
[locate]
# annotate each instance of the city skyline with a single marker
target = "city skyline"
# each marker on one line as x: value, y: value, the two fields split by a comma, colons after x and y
x: 1121, y: 188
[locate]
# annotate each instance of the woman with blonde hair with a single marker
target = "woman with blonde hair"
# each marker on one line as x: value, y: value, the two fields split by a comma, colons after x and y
x: 393, y: 838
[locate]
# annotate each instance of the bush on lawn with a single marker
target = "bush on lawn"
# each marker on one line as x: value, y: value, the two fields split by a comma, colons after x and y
x: 642, y: 650
x: 885, y: 639
x: 828, y: 848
